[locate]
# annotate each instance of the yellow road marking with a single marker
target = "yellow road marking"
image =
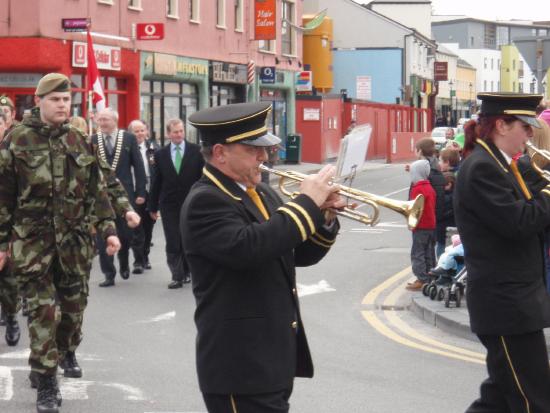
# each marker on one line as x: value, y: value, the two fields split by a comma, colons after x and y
x: 426, y: 343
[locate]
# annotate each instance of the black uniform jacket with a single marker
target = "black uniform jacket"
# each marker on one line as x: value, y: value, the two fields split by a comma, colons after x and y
x: 250, y: 334
x: 169, y: 188
x: 503, y: 250
x: 130, y: 157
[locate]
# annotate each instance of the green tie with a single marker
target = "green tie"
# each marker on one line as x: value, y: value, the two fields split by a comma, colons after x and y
x: 177, y: 164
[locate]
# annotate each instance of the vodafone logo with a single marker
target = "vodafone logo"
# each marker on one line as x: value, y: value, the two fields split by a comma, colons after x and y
x: 150, y: 31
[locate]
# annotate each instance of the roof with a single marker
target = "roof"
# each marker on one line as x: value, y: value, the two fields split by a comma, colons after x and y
x: 440, y: 20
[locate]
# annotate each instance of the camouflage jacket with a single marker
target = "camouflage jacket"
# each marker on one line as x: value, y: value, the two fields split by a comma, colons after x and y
x: 51, y: 187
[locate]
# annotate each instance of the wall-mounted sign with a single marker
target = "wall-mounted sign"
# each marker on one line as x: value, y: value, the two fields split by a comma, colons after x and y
x: 267, y: 74
x: 264, y: 19
x: 19, y: 79
x: 171, y: 65
x: 150, y: 31
x: 363, y: 86
x: 229, y: 73
x: 304, y: 81
x: 107, y: 57
x: 440, y: 71
x: 75, y: 25
x: 312, y: 114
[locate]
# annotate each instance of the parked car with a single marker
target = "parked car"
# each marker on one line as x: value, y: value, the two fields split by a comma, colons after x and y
x: 439, y: 136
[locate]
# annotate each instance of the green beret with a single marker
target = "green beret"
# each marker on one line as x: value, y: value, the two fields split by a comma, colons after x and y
x: 53, y: 82
x: 6, y: 101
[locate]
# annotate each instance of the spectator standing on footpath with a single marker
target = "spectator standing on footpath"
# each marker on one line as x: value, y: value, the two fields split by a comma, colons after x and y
x: 178, y: 166
x: 50, y: 168
x: 423, y: 236
x: 243, y: 245
x: 500, y: 222
x: 141, y: 242
x: 119, y: 149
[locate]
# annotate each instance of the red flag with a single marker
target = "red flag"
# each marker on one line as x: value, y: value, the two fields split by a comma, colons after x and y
x: 94, y: 85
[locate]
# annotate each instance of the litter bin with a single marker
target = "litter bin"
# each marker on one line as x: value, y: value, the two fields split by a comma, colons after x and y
x: 293, y: 148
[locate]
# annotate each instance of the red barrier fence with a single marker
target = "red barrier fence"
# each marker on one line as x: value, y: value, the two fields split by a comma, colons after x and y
x: 323, y: 121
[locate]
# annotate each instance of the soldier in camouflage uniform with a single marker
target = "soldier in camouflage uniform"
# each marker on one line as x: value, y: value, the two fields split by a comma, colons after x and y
x: 9, y: 299
x: 51, y: 185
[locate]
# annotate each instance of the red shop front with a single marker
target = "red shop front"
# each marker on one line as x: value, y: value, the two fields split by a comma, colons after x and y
x: 23, y: 61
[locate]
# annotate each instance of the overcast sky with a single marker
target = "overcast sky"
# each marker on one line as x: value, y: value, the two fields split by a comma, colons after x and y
x: 495, y: 9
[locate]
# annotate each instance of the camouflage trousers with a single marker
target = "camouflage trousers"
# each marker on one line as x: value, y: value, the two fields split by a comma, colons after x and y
x: 56, y: 301
x: 9, y: 297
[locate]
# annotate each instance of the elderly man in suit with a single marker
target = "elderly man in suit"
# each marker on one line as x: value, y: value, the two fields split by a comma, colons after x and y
x: 120, y: 150
x: 178, y: 166
x: 141, y: 243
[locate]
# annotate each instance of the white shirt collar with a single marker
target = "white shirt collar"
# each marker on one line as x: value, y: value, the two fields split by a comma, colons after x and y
x: 506, y: 156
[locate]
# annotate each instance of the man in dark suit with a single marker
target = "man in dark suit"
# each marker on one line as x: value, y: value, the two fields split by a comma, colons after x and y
x: 500, y: 221
x: 141, y: 242
x: 178, y: 166
x: 243, y: 245
x: 120, y: 150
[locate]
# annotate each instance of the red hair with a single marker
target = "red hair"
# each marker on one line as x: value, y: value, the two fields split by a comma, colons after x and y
x: 482, y: 129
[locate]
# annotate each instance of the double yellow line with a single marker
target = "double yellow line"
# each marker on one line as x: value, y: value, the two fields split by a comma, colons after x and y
x: 401, y: 332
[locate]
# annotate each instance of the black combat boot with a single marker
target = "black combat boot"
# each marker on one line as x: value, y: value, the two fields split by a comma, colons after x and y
x: 70, y: 365
x: 46, y: 399
x: 34, y: 377
x: 12, y: 330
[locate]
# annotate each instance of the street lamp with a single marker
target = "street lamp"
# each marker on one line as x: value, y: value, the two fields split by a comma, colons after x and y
x: 471, y: 102
x: 451, y: 94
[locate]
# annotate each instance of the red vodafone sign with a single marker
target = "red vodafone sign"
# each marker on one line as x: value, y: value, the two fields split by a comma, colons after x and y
x: 150, y: 31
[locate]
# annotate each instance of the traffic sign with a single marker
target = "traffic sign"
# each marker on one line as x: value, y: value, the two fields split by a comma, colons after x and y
x: 150, y: 31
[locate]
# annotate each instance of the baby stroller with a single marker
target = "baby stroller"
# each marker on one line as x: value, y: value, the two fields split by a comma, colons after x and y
x: 449, y: 277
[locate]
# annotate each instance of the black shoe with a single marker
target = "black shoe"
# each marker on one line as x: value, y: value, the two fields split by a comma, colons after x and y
x: 47, y: 394
x: 187, y: 278
x: 147, y: 265
x: 109, y: 282
x: 175, y: 284
x: 138, y: 269
x: 125, y: 274
x: 13, y: 333
x: 70, y: 365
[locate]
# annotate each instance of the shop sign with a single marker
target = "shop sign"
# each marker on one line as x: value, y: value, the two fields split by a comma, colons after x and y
x: 363, y: 86
x: 264, y: 19
x: 171, y: 65
x: 267, y: 74
x: 150, y: 31
x: 304, y: 81
x: 19, y: 79
x: 440, y: 71
x: 75, y: 25
x: 228, y: 73
x: 107, y: 57
x: 312, y: 114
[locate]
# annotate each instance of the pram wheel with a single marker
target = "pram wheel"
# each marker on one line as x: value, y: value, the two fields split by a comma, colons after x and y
x: 432, y: 291
x: 458, y: 296
x: 447, y: 297
x: 441, y: 293
x: 425, y: 289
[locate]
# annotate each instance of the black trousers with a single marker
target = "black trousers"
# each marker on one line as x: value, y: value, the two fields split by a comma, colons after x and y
x: 519, y: 375
x: 141, y: 240
x: 276, y: 402
x: 107, y: 262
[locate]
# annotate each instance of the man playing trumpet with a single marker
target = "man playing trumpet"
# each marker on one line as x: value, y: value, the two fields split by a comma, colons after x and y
x: 243, y: 244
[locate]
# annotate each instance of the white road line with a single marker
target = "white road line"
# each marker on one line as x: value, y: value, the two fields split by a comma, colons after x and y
x: 132, y: 393
x: 75, y: 389
x: 16, y: 355
x: 6, y: 383
x: 396, y: 192
x: 162, y: 317
x: 321, y: 287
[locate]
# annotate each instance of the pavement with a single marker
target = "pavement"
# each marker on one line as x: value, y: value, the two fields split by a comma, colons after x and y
x: 452, y: 320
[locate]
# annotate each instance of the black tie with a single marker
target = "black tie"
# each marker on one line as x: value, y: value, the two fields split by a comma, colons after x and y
x: 109, y: 144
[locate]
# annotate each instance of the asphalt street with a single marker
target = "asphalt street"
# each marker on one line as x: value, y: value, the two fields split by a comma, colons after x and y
x: 371, y: 354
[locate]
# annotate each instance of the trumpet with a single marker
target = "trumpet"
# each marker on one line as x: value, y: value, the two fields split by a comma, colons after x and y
x: 411, y: 210
x: 540, y: 158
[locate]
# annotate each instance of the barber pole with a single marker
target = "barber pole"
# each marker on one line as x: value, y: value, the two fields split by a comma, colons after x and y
x: 251, y: 71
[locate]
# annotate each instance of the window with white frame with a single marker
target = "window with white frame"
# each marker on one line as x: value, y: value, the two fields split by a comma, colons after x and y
x: 239, y: 15
x: 134, y: 4
x: 266, y: 45
x: 172, y: 8
x: 220, y: 13
x: 288, y: 32
x: 109, y: 2
x: 194, y: 10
